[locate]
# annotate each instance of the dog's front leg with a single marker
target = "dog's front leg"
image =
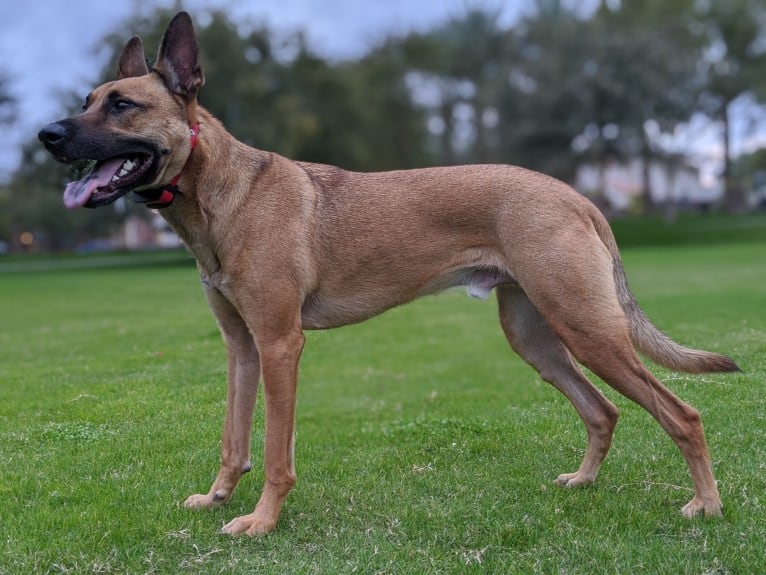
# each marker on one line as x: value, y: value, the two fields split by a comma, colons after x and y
x: 279, y: 363
x: 243, y: 367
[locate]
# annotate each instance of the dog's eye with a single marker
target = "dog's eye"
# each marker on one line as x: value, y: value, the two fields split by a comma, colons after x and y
x: 121, y: 105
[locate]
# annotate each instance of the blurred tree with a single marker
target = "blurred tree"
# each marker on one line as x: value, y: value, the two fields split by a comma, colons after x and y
x: 7, y: 116
x: 465, y: 61
x: 749, y: 174
x: 587, y: 86
x: 643, y: 56
x: 392, y: 128
x: 733, y: 66
x: 546, y: 104
x: 7, y: 101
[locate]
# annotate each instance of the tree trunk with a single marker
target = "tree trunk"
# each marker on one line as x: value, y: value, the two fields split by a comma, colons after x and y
x: 448, y: 152
x: 482, y: 147
x: 647, y: 203
x: 733, y: 198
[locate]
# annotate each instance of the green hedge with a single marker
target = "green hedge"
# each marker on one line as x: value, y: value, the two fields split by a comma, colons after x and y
x: 689, y: 229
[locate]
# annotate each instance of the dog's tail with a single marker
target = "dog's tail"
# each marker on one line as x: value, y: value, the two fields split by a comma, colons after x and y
x: 649, y: 340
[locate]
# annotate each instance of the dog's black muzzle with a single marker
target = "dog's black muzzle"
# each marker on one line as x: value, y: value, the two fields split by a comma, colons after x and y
x: 104, y: 179
x: 68, y: 140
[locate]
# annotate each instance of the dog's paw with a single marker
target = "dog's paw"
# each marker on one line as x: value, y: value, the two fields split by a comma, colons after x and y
x: 200, y: 501
x: 697, y: 507
x: 573, y: 479
x: 251, y: 524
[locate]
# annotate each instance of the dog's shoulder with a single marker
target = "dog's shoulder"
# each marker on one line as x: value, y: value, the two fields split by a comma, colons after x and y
x: 325, y: 177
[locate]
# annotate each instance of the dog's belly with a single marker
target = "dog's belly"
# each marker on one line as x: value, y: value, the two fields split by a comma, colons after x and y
x: 322, y: 310
x: 325, y: 312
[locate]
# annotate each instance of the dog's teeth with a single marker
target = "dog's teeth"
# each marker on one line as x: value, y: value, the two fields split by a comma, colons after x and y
x: 123, y: 172
x: 115, y: 178
x: 128, y: 165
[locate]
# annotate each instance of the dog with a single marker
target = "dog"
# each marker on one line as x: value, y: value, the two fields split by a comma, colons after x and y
x: 285, y: 246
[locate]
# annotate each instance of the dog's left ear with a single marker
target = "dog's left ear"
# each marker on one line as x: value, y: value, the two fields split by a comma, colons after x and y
x: 178, y: 58
x: 132, y: 60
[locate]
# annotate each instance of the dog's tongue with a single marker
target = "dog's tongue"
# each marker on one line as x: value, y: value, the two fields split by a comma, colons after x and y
x: 77, y: 193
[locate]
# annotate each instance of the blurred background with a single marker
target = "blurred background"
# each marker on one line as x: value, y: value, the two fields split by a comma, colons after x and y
x: 654, y: 109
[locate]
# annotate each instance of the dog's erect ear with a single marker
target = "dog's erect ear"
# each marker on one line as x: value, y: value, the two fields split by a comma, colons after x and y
x: 178, y: 58
x: 132, y: 60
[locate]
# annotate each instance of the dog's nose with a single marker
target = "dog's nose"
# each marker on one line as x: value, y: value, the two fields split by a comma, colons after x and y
x: 53, y: 134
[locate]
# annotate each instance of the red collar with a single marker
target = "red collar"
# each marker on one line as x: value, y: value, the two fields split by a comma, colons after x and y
x: 162, y: 197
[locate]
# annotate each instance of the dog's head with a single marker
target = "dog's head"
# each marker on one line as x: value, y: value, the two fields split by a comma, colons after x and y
x: 136, y: 129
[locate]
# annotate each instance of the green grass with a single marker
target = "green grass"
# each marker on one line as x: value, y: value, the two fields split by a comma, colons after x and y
x: 424, y: 444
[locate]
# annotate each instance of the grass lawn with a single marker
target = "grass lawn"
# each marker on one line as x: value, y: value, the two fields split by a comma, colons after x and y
x: 424, y: 444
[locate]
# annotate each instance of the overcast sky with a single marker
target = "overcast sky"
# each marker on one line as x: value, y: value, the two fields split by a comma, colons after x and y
x: 49, y: 47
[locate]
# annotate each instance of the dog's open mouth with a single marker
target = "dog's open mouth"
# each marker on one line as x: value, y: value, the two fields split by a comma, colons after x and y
x: 107, y: 181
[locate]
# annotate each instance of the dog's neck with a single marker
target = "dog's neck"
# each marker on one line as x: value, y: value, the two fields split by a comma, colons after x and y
x: 162, y: 197
x: 200, y: 201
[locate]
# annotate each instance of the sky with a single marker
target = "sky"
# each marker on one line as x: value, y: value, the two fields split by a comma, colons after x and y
x: 51, y: 47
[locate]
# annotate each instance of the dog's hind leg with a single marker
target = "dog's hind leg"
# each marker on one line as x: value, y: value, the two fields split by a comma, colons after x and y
x: 243, y: 367
x: 578, y: 299
x: 532, y: 338
x: 612, y: 358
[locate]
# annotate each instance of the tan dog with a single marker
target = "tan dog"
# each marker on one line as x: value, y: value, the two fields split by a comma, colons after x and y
x: 285, y: 246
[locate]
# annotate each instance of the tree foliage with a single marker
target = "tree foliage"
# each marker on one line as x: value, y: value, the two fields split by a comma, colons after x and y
x: 7, y: 108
